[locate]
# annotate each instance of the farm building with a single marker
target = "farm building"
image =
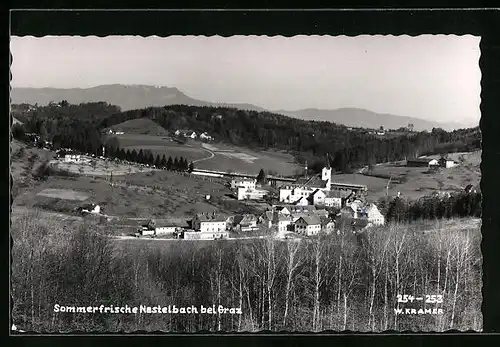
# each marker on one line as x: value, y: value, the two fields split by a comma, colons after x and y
x: 206, y: 137
x: 251, y: 194
x: 89, y: 208
x: 308, y: 225
x: 186, y: 133
x: 446, y: 163
x: 245, y: 222
x: 209, y: 223
x: 113, y: 132
x: 243, y: 182
x: 76, y: 158
x: 198, y: 172
x: 421, y: 162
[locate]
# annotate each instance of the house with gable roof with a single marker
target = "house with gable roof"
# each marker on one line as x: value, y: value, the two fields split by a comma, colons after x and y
x: 308, y: 225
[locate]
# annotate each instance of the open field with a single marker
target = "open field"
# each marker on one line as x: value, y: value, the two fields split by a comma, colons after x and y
x: 157, y: 194
x: 467, y: 158
x: 102, y: 168
x: 213, y: 156
x: 65, y: 194
x: 141, y: 126
x: 232, y: 158
x: 160, y: 145
x: 417, y: 181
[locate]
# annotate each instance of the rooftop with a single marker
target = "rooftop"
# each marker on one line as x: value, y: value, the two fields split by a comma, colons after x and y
x: 310, y: 219
x: 311, y: 182
x: 419, y: 160
x: 210, y: 217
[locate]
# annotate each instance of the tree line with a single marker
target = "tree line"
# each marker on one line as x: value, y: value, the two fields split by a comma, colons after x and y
x: 146, y: 157
x: 433, y: 207
x: 336, y: 282
x: 80, y: 126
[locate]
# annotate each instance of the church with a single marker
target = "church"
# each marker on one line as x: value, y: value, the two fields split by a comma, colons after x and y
x: 315, y: 190
x: 320, y: 190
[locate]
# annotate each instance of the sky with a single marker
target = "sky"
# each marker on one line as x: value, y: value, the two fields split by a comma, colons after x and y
x: 433, y: 77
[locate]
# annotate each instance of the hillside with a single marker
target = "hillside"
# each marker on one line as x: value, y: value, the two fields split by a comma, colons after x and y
x: 141, y: 126
x: 356, y: 117
x: 130, y: 97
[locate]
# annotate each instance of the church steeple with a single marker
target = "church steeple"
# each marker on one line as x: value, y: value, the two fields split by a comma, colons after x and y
x: 327, y: 161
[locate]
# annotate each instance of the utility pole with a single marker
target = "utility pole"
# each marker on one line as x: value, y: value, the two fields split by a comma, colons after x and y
x: 387, y: 187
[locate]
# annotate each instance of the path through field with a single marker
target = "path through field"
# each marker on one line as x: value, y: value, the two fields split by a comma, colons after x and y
x: 212, y: 154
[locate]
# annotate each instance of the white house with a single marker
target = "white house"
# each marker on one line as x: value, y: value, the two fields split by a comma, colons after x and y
x: 333, y: 199
x: 205, y: 136
x: 186, y: 133
x: 165, y: 230
x: 308, y: 225
x: 145, y: 231
x: 119, y: 133
x: 446, y: 163
x: 318, y: 197
x: 243, y: 182
x: 208, y: 223
x: 283, y: 222
x: 282, y: 210
x: 72, y: 158
x: 327, y: 224
x: 92, y: 208
x: 251, y: 194
x: 374, y: 215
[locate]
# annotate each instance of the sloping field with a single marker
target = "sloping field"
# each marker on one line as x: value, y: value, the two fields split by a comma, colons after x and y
x: 102, y: 168
x: 161, y: 146
x: 66, y: 194
x: 418, y: 182
x: 231, y: 158
x: 464, y: 158
x: 226, y: 157
x: 141, y: 126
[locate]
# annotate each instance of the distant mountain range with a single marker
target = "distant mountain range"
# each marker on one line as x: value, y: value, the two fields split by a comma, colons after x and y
x: 129, y: 97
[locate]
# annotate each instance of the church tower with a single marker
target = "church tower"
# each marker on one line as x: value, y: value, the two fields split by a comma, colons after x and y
x: 326, y: 173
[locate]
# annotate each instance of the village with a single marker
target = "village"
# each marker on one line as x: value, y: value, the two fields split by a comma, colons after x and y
x: 292, y: 207
x: 306, y: 207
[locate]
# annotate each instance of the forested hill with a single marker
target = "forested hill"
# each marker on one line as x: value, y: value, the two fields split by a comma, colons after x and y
x: 131, y: 97
x: 308, y: 140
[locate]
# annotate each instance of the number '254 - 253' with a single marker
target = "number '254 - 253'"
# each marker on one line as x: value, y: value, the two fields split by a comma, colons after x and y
x: 429, y: 299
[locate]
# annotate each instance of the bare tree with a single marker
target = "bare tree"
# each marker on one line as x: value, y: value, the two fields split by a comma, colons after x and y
x: 293, y: 261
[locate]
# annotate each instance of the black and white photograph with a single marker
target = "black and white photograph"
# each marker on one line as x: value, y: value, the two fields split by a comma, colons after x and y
x: 187, y: 184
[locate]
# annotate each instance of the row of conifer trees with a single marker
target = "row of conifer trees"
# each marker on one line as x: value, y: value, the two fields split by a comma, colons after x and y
x: 147, y: 157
